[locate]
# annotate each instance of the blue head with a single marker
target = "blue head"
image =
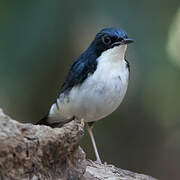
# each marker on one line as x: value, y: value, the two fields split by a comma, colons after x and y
x: 108, y: 38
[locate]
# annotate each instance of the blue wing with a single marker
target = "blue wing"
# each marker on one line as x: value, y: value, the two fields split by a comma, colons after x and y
x: 86, y: 64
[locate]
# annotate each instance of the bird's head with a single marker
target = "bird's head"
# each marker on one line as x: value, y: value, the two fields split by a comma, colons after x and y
x: 108, y: 39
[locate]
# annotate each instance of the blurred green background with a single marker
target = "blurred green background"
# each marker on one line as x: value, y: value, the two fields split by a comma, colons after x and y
x: 39, y: 40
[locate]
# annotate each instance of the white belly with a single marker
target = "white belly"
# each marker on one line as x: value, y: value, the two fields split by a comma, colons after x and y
x: 96, y: 100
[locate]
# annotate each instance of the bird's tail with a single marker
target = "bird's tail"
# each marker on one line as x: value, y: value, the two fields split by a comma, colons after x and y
x: 46, y: 121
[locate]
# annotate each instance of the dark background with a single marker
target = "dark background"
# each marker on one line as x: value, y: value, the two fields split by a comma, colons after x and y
x: 39, y: 40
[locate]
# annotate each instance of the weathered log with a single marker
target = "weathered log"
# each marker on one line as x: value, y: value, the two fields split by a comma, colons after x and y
x: 33, y: 152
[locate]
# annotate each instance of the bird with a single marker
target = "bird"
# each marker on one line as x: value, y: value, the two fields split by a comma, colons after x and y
x: 95, y: 84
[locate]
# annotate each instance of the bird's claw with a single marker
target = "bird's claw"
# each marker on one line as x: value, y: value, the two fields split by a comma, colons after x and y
x: 82, y: 122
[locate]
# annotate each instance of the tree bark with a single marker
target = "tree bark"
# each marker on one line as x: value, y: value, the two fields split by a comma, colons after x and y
x: 33, y: 152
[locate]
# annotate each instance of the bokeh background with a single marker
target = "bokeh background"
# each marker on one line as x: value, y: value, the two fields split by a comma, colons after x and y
x: 39, y: 40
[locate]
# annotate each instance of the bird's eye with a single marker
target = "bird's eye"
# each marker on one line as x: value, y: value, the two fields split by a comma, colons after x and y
x: 106, y: 40
x: 120, y: 39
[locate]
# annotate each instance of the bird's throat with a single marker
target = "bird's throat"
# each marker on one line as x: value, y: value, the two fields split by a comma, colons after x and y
x: 115, y: 53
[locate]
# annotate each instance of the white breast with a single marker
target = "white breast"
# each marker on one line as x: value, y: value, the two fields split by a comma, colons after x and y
x: 101, y: 93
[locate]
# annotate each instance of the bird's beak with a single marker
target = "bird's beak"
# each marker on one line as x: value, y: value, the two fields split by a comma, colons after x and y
x: 124, y: 41
x: 127, y: 41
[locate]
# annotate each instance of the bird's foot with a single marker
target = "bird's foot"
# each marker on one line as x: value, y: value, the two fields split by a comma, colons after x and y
x: 82, y: 123
x: 98, y: 161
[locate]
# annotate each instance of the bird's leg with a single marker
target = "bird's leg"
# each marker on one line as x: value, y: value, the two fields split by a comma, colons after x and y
x: 89, y: 128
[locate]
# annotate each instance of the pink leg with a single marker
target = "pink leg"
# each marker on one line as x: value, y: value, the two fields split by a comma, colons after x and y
x: 94, y: 144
